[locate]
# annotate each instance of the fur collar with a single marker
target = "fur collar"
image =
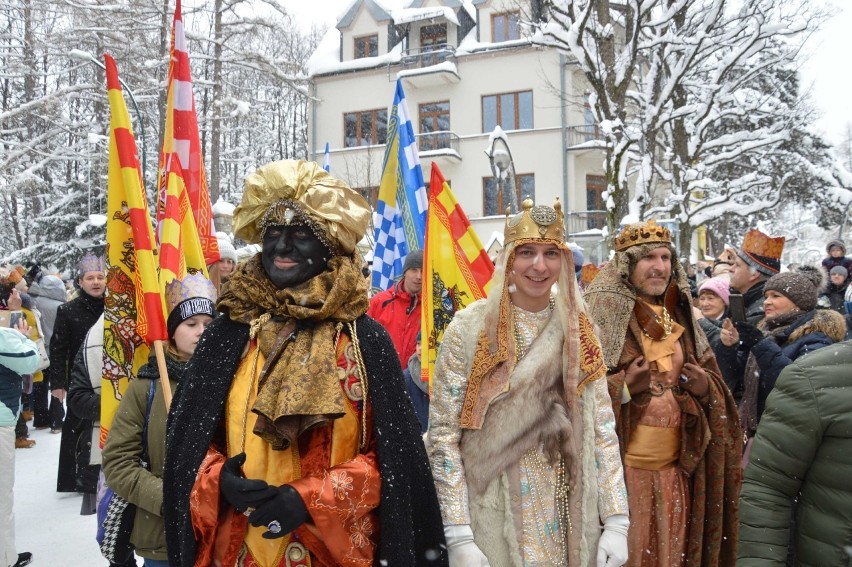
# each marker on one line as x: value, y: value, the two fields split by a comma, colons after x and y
x: 826, y: 321
x: 533, y: 406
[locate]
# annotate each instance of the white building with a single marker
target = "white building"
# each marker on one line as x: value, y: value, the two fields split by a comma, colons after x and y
x: 467, y: 66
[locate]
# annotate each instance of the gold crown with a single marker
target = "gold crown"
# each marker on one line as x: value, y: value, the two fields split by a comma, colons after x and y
x: 538, y: 222
x: 642, y: 233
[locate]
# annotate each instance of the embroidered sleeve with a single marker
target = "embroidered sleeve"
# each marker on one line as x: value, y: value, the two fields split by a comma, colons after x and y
x: 612, y: 493
x: 342, y: 504
x: 448, y: 386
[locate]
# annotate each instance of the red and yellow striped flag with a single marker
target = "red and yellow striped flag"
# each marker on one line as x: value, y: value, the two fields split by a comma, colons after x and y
x: 180, y: 249
x: 456, y: 269
x: 134, y: 307
x: 181, y: 139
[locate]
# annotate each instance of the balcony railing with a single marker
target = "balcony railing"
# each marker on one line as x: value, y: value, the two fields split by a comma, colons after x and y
x: 581, y: 134
x: 429, y: 55
x: 581, y: 221
x: 440, y: 140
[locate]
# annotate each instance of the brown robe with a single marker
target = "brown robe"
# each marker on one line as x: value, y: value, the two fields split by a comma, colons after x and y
x: 711, y: 447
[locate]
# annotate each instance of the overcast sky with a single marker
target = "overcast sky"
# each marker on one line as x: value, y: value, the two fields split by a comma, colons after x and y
x: 826, y: 70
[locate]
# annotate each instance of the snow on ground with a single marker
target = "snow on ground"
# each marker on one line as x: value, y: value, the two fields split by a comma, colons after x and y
x: 48, y: 524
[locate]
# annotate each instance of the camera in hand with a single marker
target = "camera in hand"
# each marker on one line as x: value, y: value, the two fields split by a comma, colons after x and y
x: 737, y: 306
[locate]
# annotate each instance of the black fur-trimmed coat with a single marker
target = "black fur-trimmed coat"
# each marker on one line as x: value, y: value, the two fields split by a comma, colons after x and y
x: 411, y: 526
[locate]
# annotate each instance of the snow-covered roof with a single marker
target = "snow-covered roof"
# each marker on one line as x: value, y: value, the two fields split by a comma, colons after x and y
x: 378, y: 10
x: 326, y: 57
x: 408, y: 15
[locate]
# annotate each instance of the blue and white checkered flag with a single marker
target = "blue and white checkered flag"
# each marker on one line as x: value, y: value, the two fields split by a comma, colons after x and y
x: 400, y: 217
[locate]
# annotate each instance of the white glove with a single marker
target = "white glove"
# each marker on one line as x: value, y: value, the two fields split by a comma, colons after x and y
x: 612, y: 546
x: 461, y: 549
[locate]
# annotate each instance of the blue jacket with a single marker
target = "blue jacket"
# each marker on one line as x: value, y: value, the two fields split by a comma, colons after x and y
x: 18, y: 355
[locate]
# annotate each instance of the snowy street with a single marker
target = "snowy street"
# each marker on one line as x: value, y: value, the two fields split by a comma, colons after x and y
x: 48, y: 524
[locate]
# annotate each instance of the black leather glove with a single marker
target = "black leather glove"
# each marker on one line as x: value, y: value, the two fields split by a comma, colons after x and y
x: 241, y: 492
x: 749, y: 334
x: 281, y: 514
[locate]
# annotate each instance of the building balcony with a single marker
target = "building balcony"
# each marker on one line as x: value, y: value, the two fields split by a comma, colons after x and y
x: 584, y: 138
x: 441, y: 147
x: 429, y: 66
x: 582, y: 221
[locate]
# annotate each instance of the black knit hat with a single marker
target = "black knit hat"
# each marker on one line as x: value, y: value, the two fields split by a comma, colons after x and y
x: 802, y: 287
x: 413, y: 261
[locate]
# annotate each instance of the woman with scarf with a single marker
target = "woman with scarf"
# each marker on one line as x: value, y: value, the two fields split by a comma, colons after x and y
x: 792, y: 328
x: 521, y: 429
x: 142, y: 408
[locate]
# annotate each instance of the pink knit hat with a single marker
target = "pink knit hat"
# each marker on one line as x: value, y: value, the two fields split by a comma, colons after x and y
x: 719, y: 286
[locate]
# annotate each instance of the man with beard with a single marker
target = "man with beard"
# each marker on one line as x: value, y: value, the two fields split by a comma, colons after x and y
x: 292, y: 440
x: 676, y: 421
x: 73, y: 321
x: 521, y: 434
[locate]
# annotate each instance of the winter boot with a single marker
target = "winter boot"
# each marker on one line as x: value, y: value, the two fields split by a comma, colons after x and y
x: 24, y: 558
x: 24, y: 443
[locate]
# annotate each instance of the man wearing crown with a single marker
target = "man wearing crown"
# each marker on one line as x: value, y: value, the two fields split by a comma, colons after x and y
x: 676, y: 420
x: 73, y: 321
x: 756, y: 261
x: 522, y: 440
x: 292, y: 440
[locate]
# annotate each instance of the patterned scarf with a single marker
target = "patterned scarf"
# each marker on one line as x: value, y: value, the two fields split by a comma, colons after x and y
x: 300, y: 388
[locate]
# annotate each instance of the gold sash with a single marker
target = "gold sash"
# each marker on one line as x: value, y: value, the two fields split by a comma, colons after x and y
x: 653, y: 448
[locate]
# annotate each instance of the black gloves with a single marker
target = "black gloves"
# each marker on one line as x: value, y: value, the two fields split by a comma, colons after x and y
x: 281, y: 514
x: 749, y: 334
x: 241, y: 492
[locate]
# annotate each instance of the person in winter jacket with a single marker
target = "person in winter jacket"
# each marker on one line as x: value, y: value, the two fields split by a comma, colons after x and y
x: 18, y: 355
x: 836, y: 250
x: 73, y: 321
x: 291, y: 440
x: 800, y: 466
x: 84, y: 401
x: 48, y: 292
x: 190, y: 303
x: 793, y: 327
x: 398, y: 308
x: 418, y: 390
x: 834, y: 296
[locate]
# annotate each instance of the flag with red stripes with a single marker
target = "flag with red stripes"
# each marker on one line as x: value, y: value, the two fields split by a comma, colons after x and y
x: 181, y: 139
x: 180, y: 250
x: 456, y: 269
x: 133, y: 306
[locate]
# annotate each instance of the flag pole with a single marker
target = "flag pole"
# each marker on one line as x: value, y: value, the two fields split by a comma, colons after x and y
x: 164, y: 373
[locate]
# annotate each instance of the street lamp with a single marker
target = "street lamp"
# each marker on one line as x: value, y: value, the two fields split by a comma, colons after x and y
x: 503, y: 168
x: 86, y: 56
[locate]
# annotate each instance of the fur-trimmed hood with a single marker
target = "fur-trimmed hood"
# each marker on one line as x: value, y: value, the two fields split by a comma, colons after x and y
x: 826, y: 321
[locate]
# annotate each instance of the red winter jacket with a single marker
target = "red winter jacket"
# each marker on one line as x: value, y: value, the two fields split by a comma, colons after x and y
x: 399, y: 313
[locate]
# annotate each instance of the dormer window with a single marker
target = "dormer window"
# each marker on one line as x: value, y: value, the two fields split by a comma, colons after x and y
x: 366, y: 46
x: 505, y: 27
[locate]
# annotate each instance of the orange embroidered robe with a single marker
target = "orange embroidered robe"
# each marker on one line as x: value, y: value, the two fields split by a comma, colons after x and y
x: 338, y: 482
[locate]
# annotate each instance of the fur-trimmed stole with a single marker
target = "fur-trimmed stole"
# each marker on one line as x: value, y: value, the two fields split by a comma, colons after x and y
x: 532, y: 413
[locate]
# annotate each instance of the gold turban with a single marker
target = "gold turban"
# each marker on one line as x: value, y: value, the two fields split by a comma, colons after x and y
x: 339, y: 211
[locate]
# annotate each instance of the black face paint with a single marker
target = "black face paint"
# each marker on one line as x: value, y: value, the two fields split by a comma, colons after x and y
x: 292, y: 255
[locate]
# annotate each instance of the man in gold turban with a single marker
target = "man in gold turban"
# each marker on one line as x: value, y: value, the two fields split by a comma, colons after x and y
x: 676, y: 420
x: 521, y: 432
x: 292, y: 441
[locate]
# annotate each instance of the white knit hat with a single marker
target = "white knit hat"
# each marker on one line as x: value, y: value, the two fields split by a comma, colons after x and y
x: 226, y: 249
